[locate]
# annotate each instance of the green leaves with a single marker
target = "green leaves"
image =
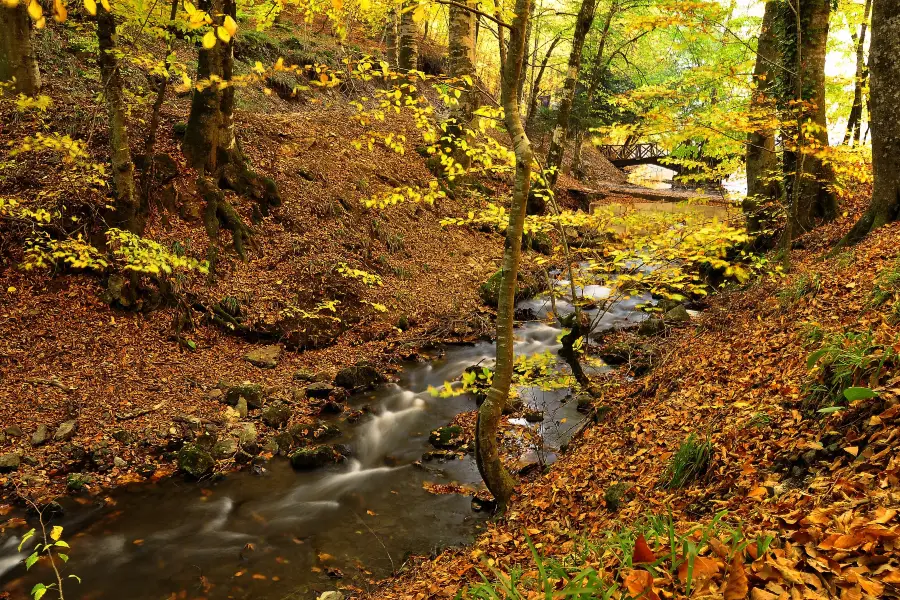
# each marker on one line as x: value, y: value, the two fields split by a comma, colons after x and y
x: 32, y: 558
x: 813, y: 359
x: 852, y: 394
x: 25, y: 538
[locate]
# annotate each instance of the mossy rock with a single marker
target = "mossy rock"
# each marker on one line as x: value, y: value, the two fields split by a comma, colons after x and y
x: 526, y: 287
x: 314, y: 457
x: 652, y: 326
x: 539, y: 241
x: 276, y: 415
x: 195, y: 461
x: 448, y: 437
x: 77, y: 481
x: 251, y: 392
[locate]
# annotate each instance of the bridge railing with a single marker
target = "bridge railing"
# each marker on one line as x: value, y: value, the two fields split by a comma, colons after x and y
x: 618, y: 152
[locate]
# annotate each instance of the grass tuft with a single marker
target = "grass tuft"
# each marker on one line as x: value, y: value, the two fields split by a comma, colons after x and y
x: 689, y: 463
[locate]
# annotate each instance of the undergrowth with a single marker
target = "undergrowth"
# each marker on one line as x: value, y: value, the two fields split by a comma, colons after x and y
x: 690, y: 462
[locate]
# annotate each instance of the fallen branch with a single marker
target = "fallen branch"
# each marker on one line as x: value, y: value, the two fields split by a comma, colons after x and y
x: 52, y: 383
x: 139, y: 413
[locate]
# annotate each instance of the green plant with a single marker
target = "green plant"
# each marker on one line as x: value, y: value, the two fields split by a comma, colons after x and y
x: 844, y: 360
x: 50, y: 547
x: 759, y: 420
x: 689, y: 462
x: 804, y: 285
x: 887, y: 288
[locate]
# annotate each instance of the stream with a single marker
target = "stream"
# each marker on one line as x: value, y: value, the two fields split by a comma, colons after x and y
x: 289, y: 534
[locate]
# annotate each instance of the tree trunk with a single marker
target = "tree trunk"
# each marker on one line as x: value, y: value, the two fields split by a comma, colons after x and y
x: 808, y: 188
x: 130, y: 211
x: 461, y: 63
x: 854, y: 122
x: 391, y: 39
x: 560, y: 131
x: 408, y: 50
x: 495, y: 475
x: 536, y: 85
x: 17, y: 55
x: 163, y: 85
x: 885, y: 119
x: 762, y: 162
x: 596, y: 76
x: 210, y: 142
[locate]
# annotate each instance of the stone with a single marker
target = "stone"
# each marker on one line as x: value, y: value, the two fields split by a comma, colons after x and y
x: 359, y: 377
x: 66, y: 431
x: 266, y: 357
x: 526, y: 287
x: 330, y: 407
x: 122, y: 436
x: 2, y: 437
x: 119, y: 462
x: 276, y: 415
x: 667, y: 304
x: 247, y: 438
x: 77, y: 481
x: 241, y: 408
x: 533, y: 415
x: 314, y: 457
x: 29, y: 460
x: 224, y: 449
x: 14, y: 431
x: 651, y: 326
x: 40, y: 436
x: 446, y: 437
x: 332, y: 595
x: 304, y: 375
x: 319, y: 389
x: 195, y: 461
x: 679, y: 314
x: 215, y: 394
x: 251, y: 392
x: 9, y: 462
x: 206, y: 441
x: 584, y: 402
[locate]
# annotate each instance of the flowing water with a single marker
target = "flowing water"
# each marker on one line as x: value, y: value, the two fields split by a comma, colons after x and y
x: 283, y: 533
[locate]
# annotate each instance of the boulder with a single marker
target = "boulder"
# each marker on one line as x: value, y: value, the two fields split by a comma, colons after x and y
x: 77, y: 481
x: 66, y: 431
x: 276, y: 415
x: 448, y: 437
x: 331, y: 407
x: 679, y: 314
x: 195, y: 461
x: 266, y: 357
x: 533, y: 415
x: 251, y: 392
x: 247, y: 438
x: 224, y: 449
x: 41, y: 436
x: 616, y: 354
x: 241, y: 407
x: 359, y: 377
x: 526, y: 287
x: 122, y: 436
x: 314, y: 457
x: 319, y: 389
x: 119, y: 462
x: 650, y: 327
x: 667, y: 304
x: 9, y: 462
x: 304, y: 375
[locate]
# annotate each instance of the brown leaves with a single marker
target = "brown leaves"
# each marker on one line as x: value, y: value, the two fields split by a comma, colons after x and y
x: 736, y: 586
x: 639, y: 584
x: 642, y: 552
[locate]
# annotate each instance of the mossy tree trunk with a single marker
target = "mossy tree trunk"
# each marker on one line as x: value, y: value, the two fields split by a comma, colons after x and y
x: 17, y: 56
x: 487, y: 452
x: 461, y: 62
x: 408, y: 47
x: 210, y: 141
x: 130, y: 209
x: 885, y: 120
x: 806, y: 37
x: 557, y: 148
x: 391, y: 39
x: 762, y: 161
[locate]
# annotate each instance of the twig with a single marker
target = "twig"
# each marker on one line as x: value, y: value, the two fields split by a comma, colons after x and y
x: 52, y: 383
x: 139, y: 413
x: 366, y: 525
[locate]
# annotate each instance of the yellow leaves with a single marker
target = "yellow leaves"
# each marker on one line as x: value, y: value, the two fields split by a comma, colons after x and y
x: 222, y: 34
x: 229, y: 25
x: 56, y: 533
x: 37, y: 14
x: 59, y: 11
x: 209, y: 40
x: 419, y: 14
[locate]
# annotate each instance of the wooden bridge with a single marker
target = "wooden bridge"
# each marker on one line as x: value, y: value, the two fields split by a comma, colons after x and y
x: 628, y: 155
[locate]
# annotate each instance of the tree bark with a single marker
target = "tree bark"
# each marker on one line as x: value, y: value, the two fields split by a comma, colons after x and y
x: 496, y: 477
x: 885, y: 120
x: 461, y: 63
x: 408, y: 48
x: 596, y: 77
x: 163, y: 85
x: 17, y: 56
x: 130, y: 211
x: 560, y: 131
x: 807, y: 36
x: 536, y: 85
x: 854, y: 121
x: 762, y: 162
x: 391, y: 39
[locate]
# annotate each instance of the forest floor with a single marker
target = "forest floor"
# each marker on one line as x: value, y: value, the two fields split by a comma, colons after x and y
x: 792, y: 503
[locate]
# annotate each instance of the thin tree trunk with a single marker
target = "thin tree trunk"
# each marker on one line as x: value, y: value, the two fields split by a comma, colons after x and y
x: 392, y: 39
x: 854, y: 122
x: 812, y: 198
x: 408, y: 50
x: 885, y: 120
x: 17, y: 55
x: 528, y: 34
x: 129, y: 209
x: 762, y: 162
x: 496, y: 477
x: 560, y: 131
x: 596, y: 77
x: 150, y: 142
x: 536, y: 86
